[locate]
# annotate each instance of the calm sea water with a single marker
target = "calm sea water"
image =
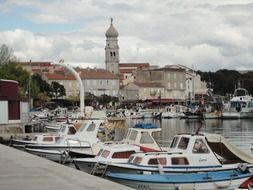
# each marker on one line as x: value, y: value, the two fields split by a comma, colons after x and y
x: 238, y: 132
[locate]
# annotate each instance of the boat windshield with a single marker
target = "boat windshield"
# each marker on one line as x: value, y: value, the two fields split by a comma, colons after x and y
x: 238, y: 104
x: 183, y: 143
x: 133, y: 135
x: 174, y: 142
x: 200, y: 146
x: 146, y: 138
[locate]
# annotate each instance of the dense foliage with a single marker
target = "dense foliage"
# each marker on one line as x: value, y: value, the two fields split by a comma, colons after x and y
x: 29, y: 86
x: 226, y: 81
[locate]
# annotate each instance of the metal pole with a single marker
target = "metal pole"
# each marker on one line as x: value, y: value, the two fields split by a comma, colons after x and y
x: 61, y: 63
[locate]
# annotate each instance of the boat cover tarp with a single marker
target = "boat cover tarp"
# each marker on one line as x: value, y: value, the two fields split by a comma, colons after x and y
x: 227, y: 150
x: 145, y: 126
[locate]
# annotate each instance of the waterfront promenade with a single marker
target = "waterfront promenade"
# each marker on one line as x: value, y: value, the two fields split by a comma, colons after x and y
x: 22, y: 171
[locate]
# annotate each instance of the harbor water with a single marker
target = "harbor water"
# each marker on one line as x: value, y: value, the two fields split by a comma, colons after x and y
x: 239, y: 132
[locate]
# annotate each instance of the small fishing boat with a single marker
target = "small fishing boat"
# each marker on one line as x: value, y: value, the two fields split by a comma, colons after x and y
x: 211, y: 180
x: 138, y: 139
x: 239, y: 106
x: 84, y: 139
x: 188, y: 153
x: 65, y: 130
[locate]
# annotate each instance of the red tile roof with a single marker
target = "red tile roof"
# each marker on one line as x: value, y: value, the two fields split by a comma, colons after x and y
x: 51, y: 76
x: 84, y: 74
x: 96, y: 74
x: 134, y: 65
x: 37, y: 63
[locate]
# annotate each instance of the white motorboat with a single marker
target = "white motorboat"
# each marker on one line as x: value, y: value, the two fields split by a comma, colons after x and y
x: 138, y: 139
x: 240, y: 106
x: 83, y: 140
x: 210, y: 180
x: 188, y: 153
x: 175, y: 111
x: 46, y: 138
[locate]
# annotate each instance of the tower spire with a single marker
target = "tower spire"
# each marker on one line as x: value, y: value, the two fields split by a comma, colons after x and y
x: 111, y: 20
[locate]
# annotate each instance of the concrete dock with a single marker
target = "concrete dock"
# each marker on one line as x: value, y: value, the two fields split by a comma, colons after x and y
x: 23, y: 171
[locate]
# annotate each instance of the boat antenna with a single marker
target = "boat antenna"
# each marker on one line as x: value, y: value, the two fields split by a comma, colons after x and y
x: 202, y: 122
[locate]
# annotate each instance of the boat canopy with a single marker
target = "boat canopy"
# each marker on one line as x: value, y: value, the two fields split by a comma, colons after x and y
x: 227, y: 150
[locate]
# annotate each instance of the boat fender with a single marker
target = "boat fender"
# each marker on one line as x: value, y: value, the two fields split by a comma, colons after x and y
x: 243, y: 167
x: 65, y: 153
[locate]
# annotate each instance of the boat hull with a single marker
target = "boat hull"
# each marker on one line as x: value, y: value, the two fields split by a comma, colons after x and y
x: 198, y: 181
x: 237, y: 115
x: 53, y: 155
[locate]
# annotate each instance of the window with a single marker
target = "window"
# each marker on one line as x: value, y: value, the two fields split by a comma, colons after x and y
x: 169, y: 86
x: 175, y: 85
x: 137, y: 160
x: 63, y: 127
x: 91, y: 127
x: 181, y: 85
x: 122, y: 155
x: 71, y: 131
x: 82, y: 127
x: 99, y: 152
x: 146, y: 138
x: 157, y: 161
x: 175, y: 75
x: 70, y: 84
x: 57, y: 138
x: 200, y: 146
x: 133, y: 135
x: 105, y: 154
x: 179, y: 161
x: 48, y: 139
x: 174, y: 142
x: 130, y: 159
x: 183, y: 143
x: 168, y: 75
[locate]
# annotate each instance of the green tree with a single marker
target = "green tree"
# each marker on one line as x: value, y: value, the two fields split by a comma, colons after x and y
x: 57, y: 90
x: 6, y: 55
x: 42, y: 84
x: 12, y: 71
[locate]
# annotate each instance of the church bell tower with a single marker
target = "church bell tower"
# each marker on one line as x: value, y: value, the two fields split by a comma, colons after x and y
x: 112, y: 49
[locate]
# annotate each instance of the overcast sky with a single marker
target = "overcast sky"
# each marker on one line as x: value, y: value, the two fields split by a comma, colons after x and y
x: 207, y: 35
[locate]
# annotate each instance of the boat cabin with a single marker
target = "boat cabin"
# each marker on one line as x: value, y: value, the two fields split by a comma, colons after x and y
x: 87, y: 132
x: 194, y: 150
x: 116, y: 152
x: 142, y: 134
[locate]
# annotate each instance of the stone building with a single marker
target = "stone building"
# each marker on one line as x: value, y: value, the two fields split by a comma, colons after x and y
x: 95, y: 81
x: 142, y: 91
x: 172, y: 79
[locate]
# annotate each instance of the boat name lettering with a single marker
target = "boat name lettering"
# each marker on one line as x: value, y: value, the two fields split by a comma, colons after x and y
x: 142, y: 186
x: 202, y: 160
